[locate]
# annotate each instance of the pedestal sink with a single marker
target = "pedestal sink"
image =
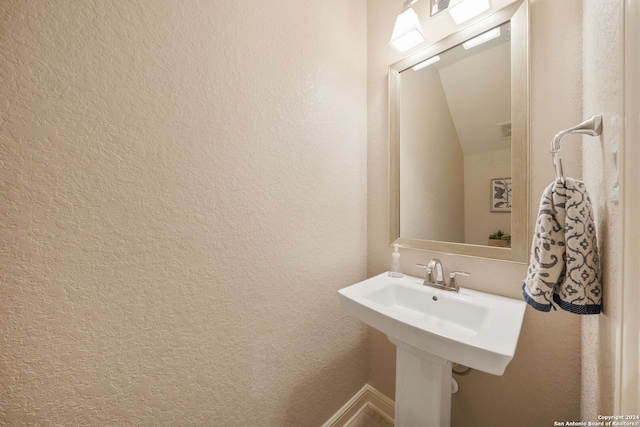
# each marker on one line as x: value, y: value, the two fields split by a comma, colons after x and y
x: 432, y: 328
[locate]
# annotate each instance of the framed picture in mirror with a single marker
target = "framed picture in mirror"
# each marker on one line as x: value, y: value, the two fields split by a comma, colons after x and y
x: 501, y: 195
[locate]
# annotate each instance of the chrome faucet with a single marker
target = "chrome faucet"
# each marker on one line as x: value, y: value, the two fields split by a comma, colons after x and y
x: 435, y: 276
x: 435, y: 266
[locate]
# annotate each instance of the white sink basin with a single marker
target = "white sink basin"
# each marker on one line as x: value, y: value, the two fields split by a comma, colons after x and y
x: 472, y: 328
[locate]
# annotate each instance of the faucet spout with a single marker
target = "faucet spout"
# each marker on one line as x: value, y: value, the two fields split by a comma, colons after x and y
x: 435, y: 272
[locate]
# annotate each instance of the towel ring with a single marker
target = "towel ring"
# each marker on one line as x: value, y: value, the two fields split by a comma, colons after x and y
x: 592, y: 127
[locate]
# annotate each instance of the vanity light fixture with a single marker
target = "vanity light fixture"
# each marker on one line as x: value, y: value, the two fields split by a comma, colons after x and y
x: 482, y: 38
x: 426, y: 63
x: 438, y: 6
x: 467, y: 9
x: 407, y: 32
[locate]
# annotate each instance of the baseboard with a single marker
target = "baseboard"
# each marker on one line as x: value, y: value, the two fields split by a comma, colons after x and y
x: 366, y: 397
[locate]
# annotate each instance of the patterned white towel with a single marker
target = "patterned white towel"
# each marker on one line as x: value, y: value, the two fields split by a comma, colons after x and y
x: 564, y: 263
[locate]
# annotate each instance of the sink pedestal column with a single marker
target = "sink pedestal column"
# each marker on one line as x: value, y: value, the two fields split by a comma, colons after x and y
x: 423, y: 388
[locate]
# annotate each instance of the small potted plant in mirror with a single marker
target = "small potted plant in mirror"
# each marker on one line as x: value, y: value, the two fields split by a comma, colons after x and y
x: 500, y: 239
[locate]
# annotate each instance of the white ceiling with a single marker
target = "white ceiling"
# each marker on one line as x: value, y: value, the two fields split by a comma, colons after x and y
x: 476, y: 86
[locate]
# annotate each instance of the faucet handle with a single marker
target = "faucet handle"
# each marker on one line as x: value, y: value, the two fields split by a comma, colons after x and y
x: 452, y: 278
x: 429, y: 275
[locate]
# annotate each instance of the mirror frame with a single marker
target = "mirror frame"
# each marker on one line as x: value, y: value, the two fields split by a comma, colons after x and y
x: 518, y: 14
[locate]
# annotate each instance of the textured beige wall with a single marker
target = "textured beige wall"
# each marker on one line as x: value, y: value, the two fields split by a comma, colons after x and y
x: 603, y: 94
x: 542, y: 383
x: 182, y: 192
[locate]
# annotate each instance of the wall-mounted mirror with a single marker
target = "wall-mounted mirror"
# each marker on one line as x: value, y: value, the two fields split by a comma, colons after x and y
x: 459, y: 121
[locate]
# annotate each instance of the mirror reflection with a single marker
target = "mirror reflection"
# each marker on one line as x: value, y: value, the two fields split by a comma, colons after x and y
x: 458, y: 104
x: 459, y: 141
